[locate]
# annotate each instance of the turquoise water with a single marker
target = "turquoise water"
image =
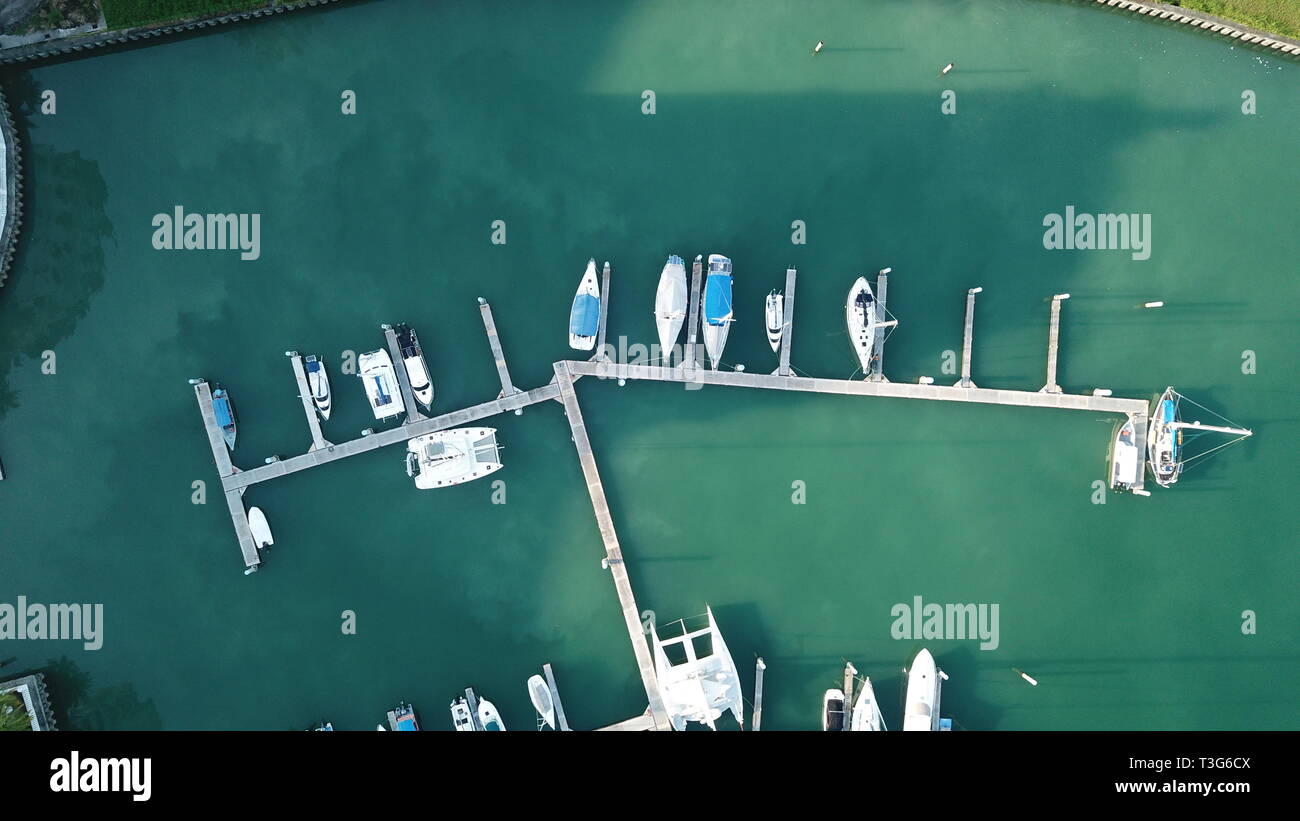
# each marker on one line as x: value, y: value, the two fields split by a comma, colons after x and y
x: 1127, y: 613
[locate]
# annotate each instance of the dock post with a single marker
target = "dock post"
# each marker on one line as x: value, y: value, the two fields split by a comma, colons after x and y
x: 690, y: 359
x: 787, y: 323
x: 878, y: 348
x: 1053, y: 344
x: 757, y: 721
x: 849, y: 672
x: 220, y: 455
x: 472, y: 701
x: 968, y: 336
x: 604, y: 316
x: 494, y: 340
x: 403, y: 381
x: 561, y: 722
x: 318, y: 440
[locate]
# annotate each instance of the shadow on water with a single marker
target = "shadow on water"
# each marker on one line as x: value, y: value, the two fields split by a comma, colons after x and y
x: 79, y: 705
x: 59, y: 259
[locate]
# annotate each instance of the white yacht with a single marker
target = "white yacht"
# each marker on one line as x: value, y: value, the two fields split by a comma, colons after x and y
x: 866, y: 711
x: 863, y: 321
x: 452, y: 457
x: 376, y: 371
x: 670, y: 305
x: 699, y: 681
x: 417, y: 372
x: 461, y: 718
x: 584, y: 317
x: 921, y: 710
x: 774, y: 318
x: 1167, y: 433
x: 833, y: 710
x: 718, y: 313
x: 539, y: 692
x: 488, y: 717
x: 318, y: 382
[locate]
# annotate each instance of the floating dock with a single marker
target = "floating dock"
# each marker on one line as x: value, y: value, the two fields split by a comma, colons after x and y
x: 494, y: 341
x: 691, y: 358
x: 757, y: 721
x: 561, y: 723
x: 878, y: 344
x: 967, y: 339
x: 1054, y: 343
x: 604, y: 314
x: 787, y: 323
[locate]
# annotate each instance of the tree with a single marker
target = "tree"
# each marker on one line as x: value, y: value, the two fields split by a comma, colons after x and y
x: 13, y: 713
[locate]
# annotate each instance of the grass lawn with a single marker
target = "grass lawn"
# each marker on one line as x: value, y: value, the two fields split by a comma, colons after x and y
x: 121, y: 14
x: 1276, y: 16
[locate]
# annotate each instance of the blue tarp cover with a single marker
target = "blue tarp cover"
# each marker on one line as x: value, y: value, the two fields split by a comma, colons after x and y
x: 585, y: 316
x: 717, y: 299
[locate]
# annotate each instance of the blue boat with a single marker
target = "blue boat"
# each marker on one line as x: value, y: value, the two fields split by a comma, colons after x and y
x: 718, y: 314
x: 584, y: 318
x: 225, y: 413
x: 402, y: 719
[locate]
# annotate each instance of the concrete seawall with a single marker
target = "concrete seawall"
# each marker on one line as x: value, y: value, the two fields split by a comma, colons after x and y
x: 1262, y: 40
x: 13, y: 204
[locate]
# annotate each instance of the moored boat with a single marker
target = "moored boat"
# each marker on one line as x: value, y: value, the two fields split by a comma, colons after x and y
x: 774, y: 318
x: 259, y: 528
x: 539, y: 692
x: 224, y: 410
x: 670, y: 305
x: 718, y: 313
x: 461, y: 718
x: 703, y: 684
x: 833, y: 710
x: 1125, y: 458
x: 417, y: 371
x: 866, y: 711
x: 402, y: 719
x: 860, y: 313
x: 921, y: 705
x: 488, y: 717
x: 1167, y: 435
x: 452, y: 457
x: 584, y: 317
x: 318, y: 382
x: 380, y: 380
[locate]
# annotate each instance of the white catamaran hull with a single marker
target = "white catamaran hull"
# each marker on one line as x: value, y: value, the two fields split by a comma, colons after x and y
x: 670, y: 305
x: 452, y: 457
x: 774, y: 314
x: 589, y: 286
x: 860, y: 313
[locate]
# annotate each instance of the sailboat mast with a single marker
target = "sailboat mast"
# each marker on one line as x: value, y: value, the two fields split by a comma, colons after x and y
x: 1211, y: 428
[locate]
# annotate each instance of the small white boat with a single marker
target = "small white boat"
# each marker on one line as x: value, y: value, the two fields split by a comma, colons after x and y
x: 380, y: 380
x: 1167, y: 434
x: 774, y: 316
x: 452, y: 457
x: 260, y: 529
x: 540, y: 694
x: 488, y: 717
x: 1125, y: 458
x: 718, y: 313
x: 866, y: 711
x: 318, y: 382
x: 461, y: 718
x: 417, y: 372
x: 921, y: 710
x: 584, y: 318
x: 670, y: 305
x: 833, y: 710
x: 860, y: 311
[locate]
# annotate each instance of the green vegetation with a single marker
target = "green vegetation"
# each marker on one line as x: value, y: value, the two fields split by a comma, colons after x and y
x: 121, y: 14
x: 1274, y: 16
x: 13, y: 713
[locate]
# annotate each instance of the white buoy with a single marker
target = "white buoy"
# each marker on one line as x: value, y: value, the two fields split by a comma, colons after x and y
x: 519, y: 411
x: 740, y: 368
x: 1141, y: 493
x: 604, y: 564
x: 1156, y: 304
x: 817, y: 49
x: 1026, y: 676
x: 1060, y: 296
x: 925, y: 380
x: 1101, y: 391
x: 621, y: 381
x: 947, y: 69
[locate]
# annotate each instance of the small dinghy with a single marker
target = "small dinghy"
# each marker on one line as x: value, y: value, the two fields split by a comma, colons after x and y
x: 833, y: 710
x: 584, y: 318
x: 260, y: 529
x: 774, y: 315
x: 318, y: 382
x: 540, y: 694
x: 224, y: 410
x: 461, y: 718
x: 670, y: 305
x: 416, y: 369
x: 488, y: 716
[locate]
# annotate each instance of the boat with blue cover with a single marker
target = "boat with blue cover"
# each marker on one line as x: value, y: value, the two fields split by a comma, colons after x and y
x: 718, y: 314
x: 224, y: 410
x: 402, y: 719
x: 584, y: 317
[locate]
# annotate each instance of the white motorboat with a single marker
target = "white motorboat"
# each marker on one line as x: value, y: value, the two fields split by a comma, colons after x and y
x: 774, y: 318
x: 461, y: 718
x: 699, y: 682
x: 921, y: 705
x: 539, y: 692
x: 318, y: 382
x: 452, y: 457
x: 584, y: 317
x: 1125, y: 458
x: 670, y: 305
x: 260, y: 529
x: 718, y: 312
x: 380, y: 380
x: 866, y: 711
x: 417, y: 372
x: 833, y: 710
x: 488, y: 717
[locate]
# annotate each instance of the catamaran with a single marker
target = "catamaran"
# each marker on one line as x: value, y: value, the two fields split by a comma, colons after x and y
x: 1166, y: 433
x: 417, y: 372
x: 461, y: 718
x: 488, y: 716
x: 318, y: 382
x: 833, y: 710
x: 922, y: 701
x: 670, y: 304
x: 774, y: 316
x: 540, y: 694
x: 864, y: 320
x: 1125, y: 458
x: 224, y: 410
x: 376, y: 371
x: 452, y: 457
x: 702, y: 684
x: 718, y: 314
x: 584, y: 318
x: 866, y: 711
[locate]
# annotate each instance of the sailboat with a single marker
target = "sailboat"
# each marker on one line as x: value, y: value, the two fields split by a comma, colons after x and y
x: 774, y: 317
x: 380, y: 380
x: 1166, y: 432
x: 417, y: 372
x: 864, y: 322
x: 584, y: 317
x: 540, y: 694
x: 224, y: 410
x: 833, y: 710
x: 1125, y: 458
x: 670, y: 304
x: 866, y: 711
x: 318, y: 382
x: 718, y: 314
x: 704, y: 683
x: 921, y: 710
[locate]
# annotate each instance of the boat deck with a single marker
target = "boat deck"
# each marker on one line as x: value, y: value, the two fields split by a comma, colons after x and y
x: 318, y: 439
x: 403, y: 379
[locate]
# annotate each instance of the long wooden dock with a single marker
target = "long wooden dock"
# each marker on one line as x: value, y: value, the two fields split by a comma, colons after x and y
x: 878, y: 344
x: 787, y: 323
x: 968, y: 338
x: 221, y: 456
x: 613, y: 552
x: 1053, y: 344
x: 691, y: 358
x: 494, y: 341
x: 604, y: 315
